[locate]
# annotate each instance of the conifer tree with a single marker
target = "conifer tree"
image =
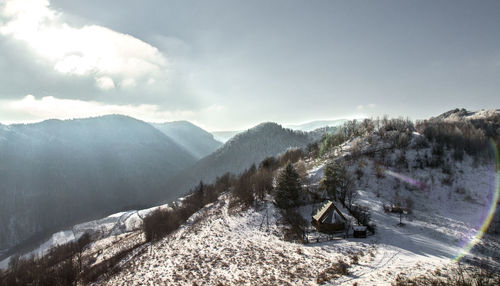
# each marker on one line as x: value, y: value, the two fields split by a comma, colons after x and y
x: 330, y: 180
x: 288, y: 187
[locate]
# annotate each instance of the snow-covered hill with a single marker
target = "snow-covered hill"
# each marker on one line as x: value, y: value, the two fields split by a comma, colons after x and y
x: 465, y: 115
x: 448, y: 201
x: 220, y: 246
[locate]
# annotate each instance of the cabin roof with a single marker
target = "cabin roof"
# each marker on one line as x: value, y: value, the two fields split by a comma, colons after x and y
x: 325, y: 209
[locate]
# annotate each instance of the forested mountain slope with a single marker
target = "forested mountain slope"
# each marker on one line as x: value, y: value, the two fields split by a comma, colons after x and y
x: 57, y: 173
x: 240, y: 152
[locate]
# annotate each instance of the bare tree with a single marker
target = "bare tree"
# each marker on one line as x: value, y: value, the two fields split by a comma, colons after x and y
x: 351, y: 197
x: 337, y: 181
x: 300, y: 166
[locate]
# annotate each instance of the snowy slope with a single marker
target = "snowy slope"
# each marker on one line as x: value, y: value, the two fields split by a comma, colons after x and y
x: 112, y: 226
x: 217, y: 246
x: 222, y: 246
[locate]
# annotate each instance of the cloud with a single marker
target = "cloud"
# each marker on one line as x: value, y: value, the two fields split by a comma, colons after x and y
x: 105, y: 83
x: 368, y: 106
x: 91, y: 50
x: 51, y: 107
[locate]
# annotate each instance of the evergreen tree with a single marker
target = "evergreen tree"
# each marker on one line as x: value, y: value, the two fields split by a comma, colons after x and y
x: 288, y: 187
x: 330, y: 180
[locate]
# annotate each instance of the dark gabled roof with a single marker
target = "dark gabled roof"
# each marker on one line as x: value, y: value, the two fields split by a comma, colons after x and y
x: 325, y: 209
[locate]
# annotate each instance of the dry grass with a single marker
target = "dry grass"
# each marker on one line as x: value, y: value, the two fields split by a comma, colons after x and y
x: 459, y: 276
x: 336, y: 270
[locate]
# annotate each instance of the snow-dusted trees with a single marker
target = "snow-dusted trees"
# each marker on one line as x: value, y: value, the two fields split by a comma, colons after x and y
x: 288, y: 187
x: 461, y: 136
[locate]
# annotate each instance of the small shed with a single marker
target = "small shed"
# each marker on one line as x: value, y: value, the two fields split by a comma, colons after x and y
x: 329, y: 219
x: 359, y: 231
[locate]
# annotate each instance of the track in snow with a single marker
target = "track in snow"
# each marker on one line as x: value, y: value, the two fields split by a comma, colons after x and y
x: 362, y: 270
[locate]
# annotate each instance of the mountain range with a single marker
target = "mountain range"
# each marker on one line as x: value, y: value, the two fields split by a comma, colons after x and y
x: 224, y: 136
x: 241, y: 151
x: 60, y: 172
x: 56, y: 173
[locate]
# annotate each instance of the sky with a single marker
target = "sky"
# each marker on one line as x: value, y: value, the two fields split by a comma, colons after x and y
x: 230, y: 64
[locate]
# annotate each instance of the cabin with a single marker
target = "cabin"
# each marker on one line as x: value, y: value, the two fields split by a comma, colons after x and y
x: 329, y: 219
x: 359, y: 231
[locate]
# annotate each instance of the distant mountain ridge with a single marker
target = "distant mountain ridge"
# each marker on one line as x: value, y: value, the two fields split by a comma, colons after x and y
x: 198, y: 142
x: 313, y: 125
x: 56, y: 173
x: 224, y: 136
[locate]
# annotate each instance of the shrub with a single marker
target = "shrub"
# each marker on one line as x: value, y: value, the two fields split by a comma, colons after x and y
x: 336, y: 270
x: 361, y: 214
x: 58, y: 267
x: 448, y: 180
x: 371, y: 227
x: 401, y: 160
x: 359, y: 173
x: 421, y: 143
x: 379, y: 170
x: 160, y: 223
x: 446, y: 169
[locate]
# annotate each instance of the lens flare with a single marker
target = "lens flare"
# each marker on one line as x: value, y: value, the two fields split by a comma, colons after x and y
x: 406, y: 179
x: 489, y: 211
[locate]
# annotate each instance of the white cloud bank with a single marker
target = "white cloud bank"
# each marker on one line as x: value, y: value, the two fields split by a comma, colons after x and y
x: 51, y: 107
x: 112, y: 58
